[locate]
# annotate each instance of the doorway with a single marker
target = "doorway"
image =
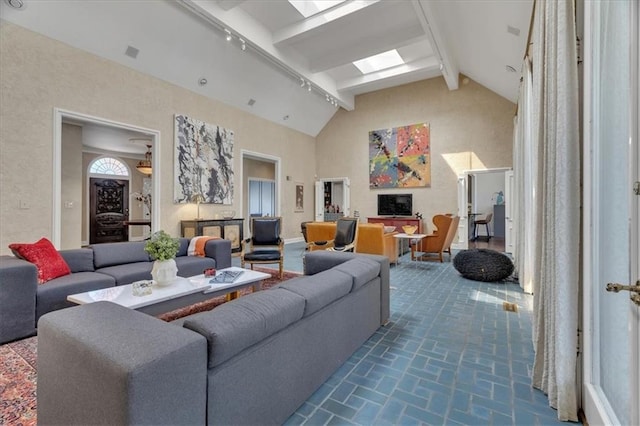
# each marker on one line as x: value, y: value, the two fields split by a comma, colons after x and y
x: 611, y: 361
x: 61, y: 196
x: 482, y: 193
x: 332, y: 199
x: 263, y: 196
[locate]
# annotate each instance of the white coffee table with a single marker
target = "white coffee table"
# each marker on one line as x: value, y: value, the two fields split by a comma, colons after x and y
x: 182, y: 292
x: 408, y: 237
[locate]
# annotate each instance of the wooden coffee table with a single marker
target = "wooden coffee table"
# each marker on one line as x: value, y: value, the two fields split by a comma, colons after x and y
x: 182, y: 292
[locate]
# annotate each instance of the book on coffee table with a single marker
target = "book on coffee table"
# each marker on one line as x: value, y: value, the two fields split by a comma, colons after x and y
x: 226, y: 277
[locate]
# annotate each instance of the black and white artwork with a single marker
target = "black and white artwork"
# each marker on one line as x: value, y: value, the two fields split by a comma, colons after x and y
x: 203, y: 161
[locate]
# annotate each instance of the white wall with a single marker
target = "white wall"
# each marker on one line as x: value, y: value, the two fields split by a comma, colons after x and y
x: 38, y: 74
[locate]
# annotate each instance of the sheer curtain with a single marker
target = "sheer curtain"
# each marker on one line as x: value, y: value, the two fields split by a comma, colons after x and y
x: 525, y: 161
x: 556, y: 192
x: 547, y: 173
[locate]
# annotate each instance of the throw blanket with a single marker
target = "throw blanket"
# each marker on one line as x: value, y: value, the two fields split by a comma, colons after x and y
x: 196, y: 245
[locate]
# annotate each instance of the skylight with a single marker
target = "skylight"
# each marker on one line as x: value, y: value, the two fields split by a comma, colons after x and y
x: 379, y: 62
x: 311, y: 7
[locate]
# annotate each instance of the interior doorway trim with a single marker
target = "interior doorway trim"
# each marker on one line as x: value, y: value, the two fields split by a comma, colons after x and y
x: 59, y: 115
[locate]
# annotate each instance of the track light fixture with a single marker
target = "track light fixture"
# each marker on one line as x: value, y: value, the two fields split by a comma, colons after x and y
x: 243, y: 45
x: 228, y: 34
x: 308, y: 86
x: 302, y: 82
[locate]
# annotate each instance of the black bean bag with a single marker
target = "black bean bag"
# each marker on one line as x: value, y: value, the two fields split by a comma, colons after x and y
x: 483, y: 265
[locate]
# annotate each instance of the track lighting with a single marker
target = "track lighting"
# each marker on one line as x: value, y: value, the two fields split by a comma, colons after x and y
x: 243, y: 45
x: 228, y: 33
x: 302, y: 82
x: 308, y: 86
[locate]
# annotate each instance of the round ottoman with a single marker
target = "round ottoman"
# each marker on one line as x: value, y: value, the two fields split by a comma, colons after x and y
x: 483, y: 265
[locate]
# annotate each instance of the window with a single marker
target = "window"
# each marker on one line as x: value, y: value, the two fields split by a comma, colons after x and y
x: 379, y: 62
x: 311, y: 7
x: 109, y: 166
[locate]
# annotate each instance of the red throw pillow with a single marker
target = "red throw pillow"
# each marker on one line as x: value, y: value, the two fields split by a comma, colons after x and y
x: 46, y: 258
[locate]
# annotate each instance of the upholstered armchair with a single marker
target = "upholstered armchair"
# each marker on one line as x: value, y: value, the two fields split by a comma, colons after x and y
x: 373, y: 239
x: 344, y: 239
x: 318, y: 233
x: 265, y: 245
x: 439, y: 241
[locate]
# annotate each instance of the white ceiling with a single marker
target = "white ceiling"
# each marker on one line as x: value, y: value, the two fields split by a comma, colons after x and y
x: 183, y: 41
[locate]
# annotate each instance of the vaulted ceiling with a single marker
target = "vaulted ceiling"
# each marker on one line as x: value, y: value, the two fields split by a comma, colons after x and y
x: 265, y: 57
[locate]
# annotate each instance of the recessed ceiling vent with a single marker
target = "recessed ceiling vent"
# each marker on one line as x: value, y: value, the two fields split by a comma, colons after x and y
x: 16, y: 4
x: 132, y: 52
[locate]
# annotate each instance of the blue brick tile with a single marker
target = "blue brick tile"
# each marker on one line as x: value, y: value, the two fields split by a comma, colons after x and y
x: 339, y: 409
x: 450, y: 355
x: 370, y: 395
x: 342, y: 391
x: 464, y: 418
x: 410, y: 398
x: 387, y: 385
x: 338, y: 421
x: 355, y: 402
x: 391, y: 411
x: 424, y: 416
x: 319, y: 417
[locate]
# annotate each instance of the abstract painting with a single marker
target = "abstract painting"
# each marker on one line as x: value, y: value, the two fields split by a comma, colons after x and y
x: 400, y: 157
x: 203, y: 161
x: 299, y: 197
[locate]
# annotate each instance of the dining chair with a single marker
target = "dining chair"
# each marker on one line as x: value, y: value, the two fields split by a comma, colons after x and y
x: 265, y: 245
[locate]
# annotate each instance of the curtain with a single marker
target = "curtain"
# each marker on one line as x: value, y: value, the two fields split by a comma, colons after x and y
x: 556, y: 188
x: 525, y: 162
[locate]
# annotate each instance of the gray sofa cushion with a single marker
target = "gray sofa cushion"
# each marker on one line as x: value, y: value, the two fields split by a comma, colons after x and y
x: 110, y: 254
x: 53, y: 294
x: 361, y: 269
x: 189, y: 266
x: 79, y: 260
x: 129, y: 272
x: 234, y: 326
x: 319, y: 290
x: 184, y: 247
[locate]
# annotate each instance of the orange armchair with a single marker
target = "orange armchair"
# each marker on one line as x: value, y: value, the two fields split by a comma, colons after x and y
x: 373, y: 240
x: 440, y: 240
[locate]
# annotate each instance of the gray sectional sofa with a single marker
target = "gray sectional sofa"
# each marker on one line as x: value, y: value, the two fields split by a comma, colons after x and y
x: 254, y: 360
x: 23, y: 301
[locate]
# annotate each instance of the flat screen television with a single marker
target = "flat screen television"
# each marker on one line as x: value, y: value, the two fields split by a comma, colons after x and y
x: 395, y: 204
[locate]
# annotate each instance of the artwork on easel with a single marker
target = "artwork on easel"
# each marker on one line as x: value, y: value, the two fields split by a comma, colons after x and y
x: 400, y: 157
x: 203, y: 161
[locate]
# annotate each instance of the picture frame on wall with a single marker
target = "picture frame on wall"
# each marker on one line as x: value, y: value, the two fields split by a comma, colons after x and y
x: 299, y: 207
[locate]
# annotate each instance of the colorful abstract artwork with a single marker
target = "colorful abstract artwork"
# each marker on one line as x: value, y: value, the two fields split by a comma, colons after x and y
x: 203, y: 161
x: 400, y: 157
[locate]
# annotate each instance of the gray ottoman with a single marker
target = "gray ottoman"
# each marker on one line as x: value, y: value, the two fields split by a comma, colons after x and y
x: 483, y: 265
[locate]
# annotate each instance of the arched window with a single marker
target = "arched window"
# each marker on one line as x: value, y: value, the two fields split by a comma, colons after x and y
x: 109, y: 166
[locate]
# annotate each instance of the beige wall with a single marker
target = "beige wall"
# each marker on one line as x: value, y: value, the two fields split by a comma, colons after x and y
x: 38, y: 74
x: 471, y: 128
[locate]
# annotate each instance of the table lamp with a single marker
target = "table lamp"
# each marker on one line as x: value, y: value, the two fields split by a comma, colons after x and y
x: 197, y: 198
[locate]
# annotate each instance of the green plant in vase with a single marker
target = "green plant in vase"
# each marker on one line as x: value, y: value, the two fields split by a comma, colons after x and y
x: 163, y: 249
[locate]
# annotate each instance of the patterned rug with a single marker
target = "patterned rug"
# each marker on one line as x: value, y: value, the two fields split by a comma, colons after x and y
x: 18, y: 362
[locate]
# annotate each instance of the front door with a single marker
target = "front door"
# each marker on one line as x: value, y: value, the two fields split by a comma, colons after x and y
x: 109, y: 208
x: 611, y: 321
